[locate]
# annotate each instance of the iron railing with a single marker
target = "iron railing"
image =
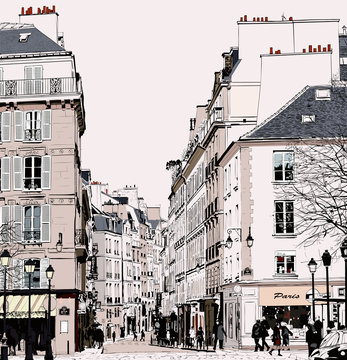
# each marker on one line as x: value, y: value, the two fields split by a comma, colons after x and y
x: 47, y: 86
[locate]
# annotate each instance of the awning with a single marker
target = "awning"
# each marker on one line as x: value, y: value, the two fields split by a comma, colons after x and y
x: 18, y: 306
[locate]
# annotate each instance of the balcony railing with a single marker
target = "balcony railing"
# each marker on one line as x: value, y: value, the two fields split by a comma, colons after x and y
x: 32, y: 236
x: 47, y: 86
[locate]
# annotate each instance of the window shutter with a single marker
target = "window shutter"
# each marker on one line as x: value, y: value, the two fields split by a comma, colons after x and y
x: 38, y: 83
x: 5, y: 222
x: 17, y: 173
x: 2, y: 83
x: 46, y: 172
x: 6, y: 126
x: 5, y: 174
x: 28, y: 72
x: 17, y: 273
x: 46, y: 124
x: 2, y: 277
x: 18, y: 126
x: 44, y: 263
x: 17, y: 223
x: 45, y: 221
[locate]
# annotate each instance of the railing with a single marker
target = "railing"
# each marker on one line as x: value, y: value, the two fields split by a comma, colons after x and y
x: 48, y: 86
x: 32, y: 236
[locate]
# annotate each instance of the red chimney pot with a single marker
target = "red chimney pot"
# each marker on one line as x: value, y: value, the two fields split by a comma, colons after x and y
x: 54, y: 8
x: 271, y: 50
x: 266, y: 18
x: 257, y: 19
x: 324, y: 49
x: 303, y: 50
x: 245, y: 17
x: 241, y: 18
x: 254, y: 19
x: 22, y: 10
x: 291, y: 18
x: 329, y: 47
x: 310, y: 48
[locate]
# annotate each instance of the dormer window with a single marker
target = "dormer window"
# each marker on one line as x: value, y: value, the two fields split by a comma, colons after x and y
x: 24, y: 37
x: 308, y: 118
x: 322, y: 94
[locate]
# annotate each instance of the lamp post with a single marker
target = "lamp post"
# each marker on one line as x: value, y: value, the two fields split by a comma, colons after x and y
x: 312, y: 265
x: 343, y: 249
x: 29, y: 268
x: 249, y: 239
x: 49, y: 354
x: 5, y: 262
x: 326, y: 257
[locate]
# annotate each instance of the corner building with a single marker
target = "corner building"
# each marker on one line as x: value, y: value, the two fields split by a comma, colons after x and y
x: 42, y: 121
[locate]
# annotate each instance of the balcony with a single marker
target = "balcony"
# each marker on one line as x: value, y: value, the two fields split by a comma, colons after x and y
x: 32, y: 237
x: 81, y: 243
x: 48, y: 86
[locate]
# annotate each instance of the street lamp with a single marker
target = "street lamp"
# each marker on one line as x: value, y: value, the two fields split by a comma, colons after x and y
x: 49, y: 354
x: 326, y: 257
x: 312, y: 266
x: 29, y: 268
x: 5, y: 262
x: 249, y: 239
x: 343, y: 249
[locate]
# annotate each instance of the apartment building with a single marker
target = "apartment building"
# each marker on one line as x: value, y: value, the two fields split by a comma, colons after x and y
x: 42, y: 121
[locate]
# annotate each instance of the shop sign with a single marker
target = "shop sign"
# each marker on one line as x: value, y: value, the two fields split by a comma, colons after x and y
x: 286, y: 295
x: 64, y: 311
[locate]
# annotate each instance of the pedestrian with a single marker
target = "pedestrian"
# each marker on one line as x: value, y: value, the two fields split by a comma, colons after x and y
x: 114, y: 336
x: 276, y: 340
x: 256, y: 335
x: 311, y: 337
x: 285, y: 335
x: 191, y: 336
x: 199, y: 337
x: 318, y: 325
x: 135, y: 335
x: 142, y: 335
x: 215, y: 335
x: 220, y: 335
x: 264, y: 333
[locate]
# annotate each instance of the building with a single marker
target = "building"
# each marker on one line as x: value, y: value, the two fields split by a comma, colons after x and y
x: 42, y: 202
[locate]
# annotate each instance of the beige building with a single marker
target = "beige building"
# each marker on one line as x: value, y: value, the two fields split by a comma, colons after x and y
x: 42, y: 121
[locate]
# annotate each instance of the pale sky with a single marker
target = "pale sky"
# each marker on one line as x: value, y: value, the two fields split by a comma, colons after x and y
x: 145, y: 65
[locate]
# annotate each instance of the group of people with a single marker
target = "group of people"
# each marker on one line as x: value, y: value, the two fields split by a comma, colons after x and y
x: 197, y: 337
x: 142, y: 335
x: 280, y: 336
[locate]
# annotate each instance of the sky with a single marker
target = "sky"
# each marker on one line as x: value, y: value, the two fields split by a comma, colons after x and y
x: 145, y: 66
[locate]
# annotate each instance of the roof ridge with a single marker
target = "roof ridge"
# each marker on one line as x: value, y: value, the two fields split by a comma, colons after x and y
x: 289, y: 102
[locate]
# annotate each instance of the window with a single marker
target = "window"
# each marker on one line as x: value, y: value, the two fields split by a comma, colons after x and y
x: 20, y: 278
x: 284, y: 217
x: 308, y: 118
x: 32, y: 125
x: 36, y: 173
x: 32, y: 223
x: 285, y: 262
x: 33, y: 79
x: 322, y: 94
x: 283, y: 165
x: 5, y: 126
x: 24, y: 37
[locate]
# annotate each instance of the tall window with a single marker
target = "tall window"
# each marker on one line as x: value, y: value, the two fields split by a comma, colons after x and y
x: 32, y: 172
x: 284, y: 217
x: 285, y: 262
x: 32, y: 126
x: 32, y: 223
x: 283, y: 165
x: 33, y: 79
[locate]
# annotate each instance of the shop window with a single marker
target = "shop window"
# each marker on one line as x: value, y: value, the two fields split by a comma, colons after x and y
x: 285, y: 262
x: 284, y: 217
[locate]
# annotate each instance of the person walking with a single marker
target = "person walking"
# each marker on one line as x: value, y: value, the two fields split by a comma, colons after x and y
x: 285, y: 335
x: 256, y: 335
x: 135, y: 335
x: 312, y: 337
x: 276, y: 340
x: 215, y: 335
x: 264, y: 333
x: 318, y: 325
x: 191, y: 337
x: 199, y: 337
x: 220, y: 335
x: 142, y: 335
x: 114, y: 336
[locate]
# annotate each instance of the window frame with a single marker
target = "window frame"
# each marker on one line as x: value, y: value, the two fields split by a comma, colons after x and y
x: 283, y: 164
x: 285, y: 254
x: 284, y: 218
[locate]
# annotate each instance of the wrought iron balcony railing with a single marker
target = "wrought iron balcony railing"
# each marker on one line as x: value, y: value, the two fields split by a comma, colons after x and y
x: 47, y: 86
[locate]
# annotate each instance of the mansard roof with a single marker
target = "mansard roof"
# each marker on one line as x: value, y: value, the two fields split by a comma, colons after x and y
x: 10, y: 43
x: 306, y: 117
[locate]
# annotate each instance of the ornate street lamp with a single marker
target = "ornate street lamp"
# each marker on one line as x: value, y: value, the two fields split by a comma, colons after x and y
x: 49, y: 354
x: 5, y: 258
x: 312, y: 266
x: 249, y: 239
x: 343, y: 249
x: 29, y: 268
x: 326, y: 257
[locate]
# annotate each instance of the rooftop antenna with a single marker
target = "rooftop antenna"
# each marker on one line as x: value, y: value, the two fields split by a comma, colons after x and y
x: 283, y: 17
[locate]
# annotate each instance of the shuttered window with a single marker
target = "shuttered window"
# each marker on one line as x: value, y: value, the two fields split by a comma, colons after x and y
x: 33, y: 126
x: 5, y: 174
x: 33, y: 79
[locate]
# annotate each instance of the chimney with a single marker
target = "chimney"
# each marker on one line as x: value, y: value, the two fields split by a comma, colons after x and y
x: 45, y: 20
x: 329, y: 47
x: 271, y: 50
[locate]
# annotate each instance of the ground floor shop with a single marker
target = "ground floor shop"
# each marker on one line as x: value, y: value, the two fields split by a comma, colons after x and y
x: 281, y: 302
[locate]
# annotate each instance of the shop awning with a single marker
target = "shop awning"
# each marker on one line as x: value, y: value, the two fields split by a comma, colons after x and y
x: 18, y: 306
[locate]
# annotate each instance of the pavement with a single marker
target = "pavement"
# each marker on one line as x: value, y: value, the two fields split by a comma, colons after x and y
x: 126, y: 349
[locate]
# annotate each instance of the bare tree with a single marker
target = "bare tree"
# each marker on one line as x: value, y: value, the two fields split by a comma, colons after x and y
x: 319, y: 189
